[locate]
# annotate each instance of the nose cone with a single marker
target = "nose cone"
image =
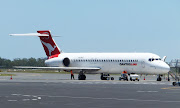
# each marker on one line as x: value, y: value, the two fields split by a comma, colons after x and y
x: 165, y: 68
x: 161, y: 67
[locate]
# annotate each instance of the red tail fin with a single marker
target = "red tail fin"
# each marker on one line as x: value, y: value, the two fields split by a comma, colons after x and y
x: 48, y: 43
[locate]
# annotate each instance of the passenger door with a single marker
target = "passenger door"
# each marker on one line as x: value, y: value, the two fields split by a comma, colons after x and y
x: 143, y: 64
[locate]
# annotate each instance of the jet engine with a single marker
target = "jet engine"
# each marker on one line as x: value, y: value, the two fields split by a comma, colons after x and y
x: 66, y: 62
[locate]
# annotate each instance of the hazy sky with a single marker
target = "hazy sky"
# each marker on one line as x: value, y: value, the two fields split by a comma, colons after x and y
x: 91, y: 26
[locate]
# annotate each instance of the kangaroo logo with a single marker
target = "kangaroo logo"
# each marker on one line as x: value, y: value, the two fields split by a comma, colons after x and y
x: 49, y: 47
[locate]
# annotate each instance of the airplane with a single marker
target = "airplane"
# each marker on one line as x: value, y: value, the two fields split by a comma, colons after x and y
x: 98, y: 63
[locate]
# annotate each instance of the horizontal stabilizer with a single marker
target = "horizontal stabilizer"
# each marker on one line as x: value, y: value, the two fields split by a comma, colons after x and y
x: 29, y: 34
x: 33, y: 34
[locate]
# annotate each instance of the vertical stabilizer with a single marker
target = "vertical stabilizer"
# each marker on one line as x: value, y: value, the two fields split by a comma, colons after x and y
x: 48, y: 43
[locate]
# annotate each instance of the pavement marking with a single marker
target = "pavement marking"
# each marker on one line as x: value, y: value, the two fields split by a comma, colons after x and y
x: 27, y: 95
x: 161, y: 83
x: 12, y: 100
x: 118, y: 99
x: 172, y: 92
x: 145, y: 83
x: 26, y: 99
x: 34, y: 99
x: 171, y: 101
x: 113, y: 82
x: 148, y: 91
x: 172, y: 88
x: 16, y: 94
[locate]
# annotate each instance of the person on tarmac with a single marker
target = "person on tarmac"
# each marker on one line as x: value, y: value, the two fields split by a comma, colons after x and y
x: 72, y: 75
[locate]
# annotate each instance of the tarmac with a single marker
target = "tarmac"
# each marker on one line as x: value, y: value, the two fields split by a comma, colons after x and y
x: 35, y: 90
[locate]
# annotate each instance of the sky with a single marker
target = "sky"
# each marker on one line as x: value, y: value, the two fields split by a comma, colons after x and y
x: 91, y: 26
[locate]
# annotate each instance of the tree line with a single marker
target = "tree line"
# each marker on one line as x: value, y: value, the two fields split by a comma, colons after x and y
x: 6, y: 63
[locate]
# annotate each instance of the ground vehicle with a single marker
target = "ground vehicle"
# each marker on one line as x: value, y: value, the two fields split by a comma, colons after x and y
x: 124, y: 77
x: 106, y: 77
x: 134, y: 77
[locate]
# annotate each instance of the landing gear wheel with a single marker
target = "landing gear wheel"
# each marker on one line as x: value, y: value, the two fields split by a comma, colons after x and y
x: 174, y: 83
x: 102, y: 77
x: 81, y: 76
x: 159, y: 78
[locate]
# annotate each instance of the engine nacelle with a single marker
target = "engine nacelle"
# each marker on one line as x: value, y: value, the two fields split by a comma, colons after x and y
x: 66, y: 62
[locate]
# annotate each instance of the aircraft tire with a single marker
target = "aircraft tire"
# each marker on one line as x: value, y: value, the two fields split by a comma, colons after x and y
x: 174, y: 83
x: 82, y: 77
x: 131, y: 79
x: 159, y: 79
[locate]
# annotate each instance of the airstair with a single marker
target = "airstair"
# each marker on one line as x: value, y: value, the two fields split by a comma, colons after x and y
x: 175, y: 69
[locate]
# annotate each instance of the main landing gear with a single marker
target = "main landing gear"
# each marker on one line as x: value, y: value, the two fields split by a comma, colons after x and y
x: 81, y: 76
x: 106, y: 77
x: 159, y: 78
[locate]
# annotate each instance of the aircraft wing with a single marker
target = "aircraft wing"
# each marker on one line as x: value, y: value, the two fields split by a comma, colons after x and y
x: 61, y: 68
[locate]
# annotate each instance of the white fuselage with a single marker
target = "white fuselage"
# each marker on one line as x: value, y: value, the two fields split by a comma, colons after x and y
x: 142, y: 63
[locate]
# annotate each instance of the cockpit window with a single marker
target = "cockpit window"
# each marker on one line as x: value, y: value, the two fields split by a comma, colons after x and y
x: 154, y: 59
